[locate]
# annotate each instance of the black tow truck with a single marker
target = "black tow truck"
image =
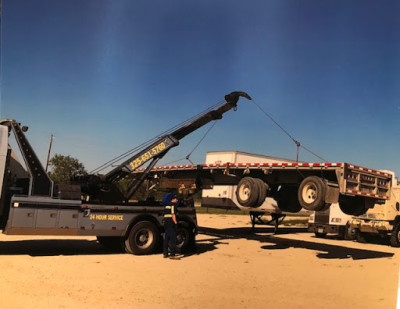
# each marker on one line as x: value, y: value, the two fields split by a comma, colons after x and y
x: 94, y: 205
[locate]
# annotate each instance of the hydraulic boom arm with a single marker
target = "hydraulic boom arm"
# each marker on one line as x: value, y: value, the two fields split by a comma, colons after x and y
x: 159, y: 148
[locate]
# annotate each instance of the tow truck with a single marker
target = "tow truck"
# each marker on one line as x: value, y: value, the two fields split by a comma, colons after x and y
x: 94, y: 205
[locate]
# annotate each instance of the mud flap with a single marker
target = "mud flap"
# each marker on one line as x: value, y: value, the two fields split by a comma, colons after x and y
x: 332, y: 193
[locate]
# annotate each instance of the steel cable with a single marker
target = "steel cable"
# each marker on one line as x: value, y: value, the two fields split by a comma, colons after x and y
x: 298, y: 144
x: 194, y: 148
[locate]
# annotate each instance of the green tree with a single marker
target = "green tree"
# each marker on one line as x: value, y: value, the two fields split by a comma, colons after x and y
x: 63, y: 168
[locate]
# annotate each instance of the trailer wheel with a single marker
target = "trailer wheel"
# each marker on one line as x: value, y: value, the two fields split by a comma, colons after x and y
x: 247, y: 192
x: 395, y: 237
x: 142, y: 238
x: 311, y: 193
x: 262, y: 191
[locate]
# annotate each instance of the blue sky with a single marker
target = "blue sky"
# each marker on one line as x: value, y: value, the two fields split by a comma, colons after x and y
x: 104, y: 76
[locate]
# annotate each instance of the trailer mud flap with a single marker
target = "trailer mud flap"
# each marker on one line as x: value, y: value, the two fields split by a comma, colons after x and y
x: 332, y: 194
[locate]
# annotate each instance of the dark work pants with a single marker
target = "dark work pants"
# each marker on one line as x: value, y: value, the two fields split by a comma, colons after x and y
x: 169, y: 238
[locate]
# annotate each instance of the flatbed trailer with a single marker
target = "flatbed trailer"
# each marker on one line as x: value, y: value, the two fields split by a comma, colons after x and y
x: 294, y: 185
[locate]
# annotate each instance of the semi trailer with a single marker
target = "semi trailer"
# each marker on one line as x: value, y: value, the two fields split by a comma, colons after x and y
x: 291, y: 185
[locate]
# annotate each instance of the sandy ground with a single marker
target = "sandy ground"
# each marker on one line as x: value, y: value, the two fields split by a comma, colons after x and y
x: 232, y: 268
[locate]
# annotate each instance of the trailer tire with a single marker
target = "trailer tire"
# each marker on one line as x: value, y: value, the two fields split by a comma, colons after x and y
x: 247, y: 192
x: 395, y: 237
x: 311, y: 193
x: 262, y: 191
x: 142, y: 239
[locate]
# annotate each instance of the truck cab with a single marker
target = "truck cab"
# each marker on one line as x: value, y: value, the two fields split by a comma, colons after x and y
x: 382, y: 220
x: 331, y: 221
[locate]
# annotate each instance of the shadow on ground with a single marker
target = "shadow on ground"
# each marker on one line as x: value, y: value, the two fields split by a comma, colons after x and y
x: 271, y: 242
x: 53, y: 247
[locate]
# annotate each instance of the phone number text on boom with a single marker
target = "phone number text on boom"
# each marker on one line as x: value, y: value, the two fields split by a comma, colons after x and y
x: 147, y: 156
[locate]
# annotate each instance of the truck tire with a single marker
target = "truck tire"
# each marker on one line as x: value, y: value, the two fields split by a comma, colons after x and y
x: 349, y: 233
x: 142, y: 239
x: 395, y: 237
x: 184, y: 239
x: 247, y: 192
x: 311, y: 193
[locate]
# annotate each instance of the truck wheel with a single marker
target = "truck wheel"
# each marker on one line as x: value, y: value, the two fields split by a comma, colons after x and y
x: 142, y: 239
x: 247, y: 192
x: 111, y: 242
x: 183, y: 238
x: 311, y: 193
x: 395, y: 237
x: 349, y: 233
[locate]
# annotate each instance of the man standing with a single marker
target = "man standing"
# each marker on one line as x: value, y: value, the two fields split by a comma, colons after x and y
x: 170, y: 201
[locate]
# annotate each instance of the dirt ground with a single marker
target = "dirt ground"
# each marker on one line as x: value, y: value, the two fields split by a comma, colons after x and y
x: 232, y: 268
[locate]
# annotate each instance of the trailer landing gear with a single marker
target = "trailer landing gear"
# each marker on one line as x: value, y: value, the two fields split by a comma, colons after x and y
x: 256, y: 218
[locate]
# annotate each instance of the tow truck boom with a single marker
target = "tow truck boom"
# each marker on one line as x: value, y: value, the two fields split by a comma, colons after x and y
x: 162, y: 145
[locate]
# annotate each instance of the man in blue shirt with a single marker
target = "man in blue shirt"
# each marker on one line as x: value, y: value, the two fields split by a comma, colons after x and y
x: 170, y: 201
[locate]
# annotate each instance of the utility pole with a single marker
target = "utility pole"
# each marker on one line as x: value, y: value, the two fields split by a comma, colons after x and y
x: 48, y: 154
